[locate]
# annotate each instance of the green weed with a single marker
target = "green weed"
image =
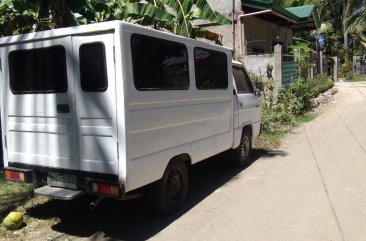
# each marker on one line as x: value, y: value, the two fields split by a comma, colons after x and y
x: 13, y: 194
x: 357, y: 78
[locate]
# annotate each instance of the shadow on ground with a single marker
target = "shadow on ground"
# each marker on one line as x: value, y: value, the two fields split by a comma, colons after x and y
x: 134, y: 219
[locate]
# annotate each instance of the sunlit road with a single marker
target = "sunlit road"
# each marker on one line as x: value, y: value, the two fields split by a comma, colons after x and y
x: 313, y: 188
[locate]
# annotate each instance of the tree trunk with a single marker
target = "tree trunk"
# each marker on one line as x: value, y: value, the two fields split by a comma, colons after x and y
x: 345, y: 38
x: 344, y: 26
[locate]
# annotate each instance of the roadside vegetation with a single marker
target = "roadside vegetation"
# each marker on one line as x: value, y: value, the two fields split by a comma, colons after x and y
x: 290, y: 108
x: 357, y: 78
x: 285, y: 107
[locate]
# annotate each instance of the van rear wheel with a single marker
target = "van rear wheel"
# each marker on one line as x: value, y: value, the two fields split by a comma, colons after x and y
x: 243, y: 153
x: 169, y: 193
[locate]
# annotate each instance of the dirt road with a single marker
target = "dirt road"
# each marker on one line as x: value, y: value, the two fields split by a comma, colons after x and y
x: 312, y: 188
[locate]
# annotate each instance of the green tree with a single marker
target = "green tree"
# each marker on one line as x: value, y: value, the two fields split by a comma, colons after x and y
x: 347, y: 18
x: 344, y: 15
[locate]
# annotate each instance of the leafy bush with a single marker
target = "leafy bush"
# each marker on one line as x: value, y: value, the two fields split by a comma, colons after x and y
x: 346, y: 68
x: 303, y: 58
x: 350, y: 76
x: 257, y: 80
x: 315, y: 88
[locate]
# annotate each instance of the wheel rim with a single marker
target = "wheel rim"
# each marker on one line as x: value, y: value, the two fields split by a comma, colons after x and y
x: 173, y: 185
x: 245, y: 148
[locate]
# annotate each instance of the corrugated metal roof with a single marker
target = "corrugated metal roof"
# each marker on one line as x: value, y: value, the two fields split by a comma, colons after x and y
x: 270, y: 5
x: 301, y: 16
x: 303, y: 12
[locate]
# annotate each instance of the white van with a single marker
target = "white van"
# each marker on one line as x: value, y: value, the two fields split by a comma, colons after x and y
x: 115, y: 108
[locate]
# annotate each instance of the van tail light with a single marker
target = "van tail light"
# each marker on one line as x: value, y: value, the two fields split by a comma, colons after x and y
x: 106, y: 189
x: 18, y: 175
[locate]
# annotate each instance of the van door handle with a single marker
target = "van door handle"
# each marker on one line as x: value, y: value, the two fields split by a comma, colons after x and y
x: 63, y: 108
x: 241, y: 103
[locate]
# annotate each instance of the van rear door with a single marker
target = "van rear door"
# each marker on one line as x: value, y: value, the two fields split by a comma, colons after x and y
x: 39, y: 104
x: 95, y: 95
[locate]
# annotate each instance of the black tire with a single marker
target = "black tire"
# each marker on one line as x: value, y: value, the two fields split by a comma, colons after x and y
x: 243, y: 153
x: 169, y: 193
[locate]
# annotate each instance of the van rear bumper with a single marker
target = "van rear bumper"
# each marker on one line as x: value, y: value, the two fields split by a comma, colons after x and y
x: 81, y: 180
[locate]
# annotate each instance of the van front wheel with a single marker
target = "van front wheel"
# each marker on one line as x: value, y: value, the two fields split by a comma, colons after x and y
x: 243, y: 152
x: 168, y: 194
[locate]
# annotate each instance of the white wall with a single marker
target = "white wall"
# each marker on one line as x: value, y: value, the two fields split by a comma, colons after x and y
x: 258, y: 63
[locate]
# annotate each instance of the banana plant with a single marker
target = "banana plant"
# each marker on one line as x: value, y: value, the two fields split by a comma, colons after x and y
x: 186, y: 11
x: 13, y: 21
x: 142, y: 12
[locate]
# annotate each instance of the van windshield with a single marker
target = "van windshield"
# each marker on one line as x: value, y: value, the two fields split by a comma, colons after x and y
x: 242, y: 80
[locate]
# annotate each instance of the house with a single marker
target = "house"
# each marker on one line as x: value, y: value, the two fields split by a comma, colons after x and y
x: 258, y: 26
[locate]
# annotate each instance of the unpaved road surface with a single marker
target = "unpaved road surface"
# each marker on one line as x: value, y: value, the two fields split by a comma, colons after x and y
x: 312, y: 188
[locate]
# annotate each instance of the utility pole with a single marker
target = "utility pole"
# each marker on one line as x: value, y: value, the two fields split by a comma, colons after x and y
x: 233, y: 23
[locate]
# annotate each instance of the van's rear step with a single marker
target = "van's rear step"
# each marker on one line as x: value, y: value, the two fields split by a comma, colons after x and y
x: 58, y: 192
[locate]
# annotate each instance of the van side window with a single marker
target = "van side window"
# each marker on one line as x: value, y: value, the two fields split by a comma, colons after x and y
x: 242, y: 80
x: 41, y: 70
x: 159, y: 64
x: 93, y: 67
x: 210, y: 69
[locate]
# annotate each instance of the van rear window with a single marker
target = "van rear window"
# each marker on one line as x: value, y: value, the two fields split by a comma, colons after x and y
x: 159, y: 64
x: 41, y: 70
x: 93, y: 67
x: 210, y: 69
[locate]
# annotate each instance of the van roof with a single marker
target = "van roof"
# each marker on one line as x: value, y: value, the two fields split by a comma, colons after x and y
x: 86, y: 29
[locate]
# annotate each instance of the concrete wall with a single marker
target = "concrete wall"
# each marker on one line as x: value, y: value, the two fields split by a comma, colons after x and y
x: 225, y: 7
x: 227, y: 36
x: 226, y: 31
x: 258, y: 63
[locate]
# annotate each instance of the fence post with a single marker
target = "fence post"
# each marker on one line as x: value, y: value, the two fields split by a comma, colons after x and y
x: 335, y: 69
x: 320, y: 62
x: 278, y: 50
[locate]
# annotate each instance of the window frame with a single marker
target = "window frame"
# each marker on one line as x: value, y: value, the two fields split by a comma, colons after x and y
x: 186, y: 87
x: 104, y: 89
x: 65, y: 72
x: 226, y: 67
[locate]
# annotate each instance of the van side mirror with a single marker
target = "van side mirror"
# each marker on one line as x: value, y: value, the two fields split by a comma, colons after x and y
x: 234, y: 92
x: 258, y: 92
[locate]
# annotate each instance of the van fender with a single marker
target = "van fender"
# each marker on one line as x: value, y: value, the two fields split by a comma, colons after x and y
x: 184, y: 158
x: 238, y: 132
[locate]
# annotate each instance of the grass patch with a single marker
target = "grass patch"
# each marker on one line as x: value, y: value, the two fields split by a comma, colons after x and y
x: 358, y: 78
x: 269, y: 140
x: 13, y: 194
x: 307, y: 117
